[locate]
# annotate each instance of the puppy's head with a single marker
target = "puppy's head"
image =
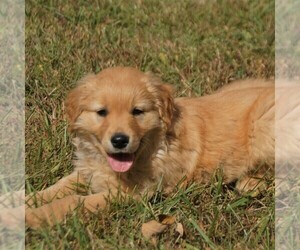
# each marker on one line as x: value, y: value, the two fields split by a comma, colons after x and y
x: 124, y: 110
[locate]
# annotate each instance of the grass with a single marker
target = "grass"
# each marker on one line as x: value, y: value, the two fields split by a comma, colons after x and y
x: 195, y: 46
x: 12, y: 140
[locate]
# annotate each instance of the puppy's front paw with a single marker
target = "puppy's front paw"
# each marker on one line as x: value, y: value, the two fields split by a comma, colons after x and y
x: 51, y: 213
x: 33, y: 218
x: 43, y: 216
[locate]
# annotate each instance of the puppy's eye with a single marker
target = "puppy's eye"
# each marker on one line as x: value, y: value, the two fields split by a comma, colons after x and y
x: 137, y: 112
x: 102, y: 112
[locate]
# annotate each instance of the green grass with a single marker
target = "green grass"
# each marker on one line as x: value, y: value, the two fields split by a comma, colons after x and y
x: 197, y: 48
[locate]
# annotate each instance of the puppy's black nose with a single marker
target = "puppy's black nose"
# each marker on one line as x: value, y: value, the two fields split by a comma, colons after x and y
x: 119, y: 140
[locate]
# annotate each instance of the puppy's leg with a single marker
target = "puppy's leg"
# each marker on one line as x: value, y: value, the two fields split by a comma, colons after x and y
x: 261, y: 145
x: 52, y: 212
x: 71, y: 184
x: 56, y: 211
x: 10, y: 215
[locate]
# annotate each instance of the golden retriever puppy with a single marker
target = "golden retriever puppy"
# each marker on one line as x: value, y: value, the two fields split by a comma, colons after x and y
x: 130, y: 133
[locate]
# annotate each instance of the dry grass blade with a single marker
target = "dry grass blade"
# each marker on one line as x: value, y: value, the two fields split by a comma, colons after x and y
x: 152, y: 228
x: 180, y: 229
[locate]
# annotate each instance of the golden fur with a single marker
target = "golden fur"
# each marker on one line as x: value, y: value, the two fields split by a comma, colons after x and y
x: 169, y: 139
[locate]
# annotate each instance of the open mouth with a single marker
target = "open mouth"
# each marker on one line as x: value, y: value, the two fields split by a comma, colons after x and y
x: 120, y: 162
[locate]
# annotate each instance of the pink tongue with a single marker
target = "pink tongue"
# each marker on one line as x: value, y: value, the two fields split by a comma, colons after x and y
x: 120, y: 162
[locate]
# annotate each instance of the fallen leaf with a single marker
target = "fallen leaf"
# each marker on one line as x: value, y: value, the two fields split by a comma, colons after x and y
x: 179, y: 229
x: 152, y: 228
x: 166, y: 219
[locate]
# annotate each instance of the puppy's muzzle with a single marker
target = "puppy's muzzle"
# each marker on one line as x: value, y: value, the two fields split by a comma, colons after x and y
x: 119, y: 140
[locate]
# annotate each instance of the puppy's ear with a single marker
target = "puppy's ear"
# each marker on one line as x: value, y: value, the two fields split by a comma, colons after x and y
x: 166, y: 103
x: 163, y: 93
x: 74, y: 102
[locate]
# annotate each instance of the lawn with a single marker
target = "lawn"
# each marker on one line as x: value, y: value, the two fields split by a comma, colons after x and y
x: 197, y: 46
